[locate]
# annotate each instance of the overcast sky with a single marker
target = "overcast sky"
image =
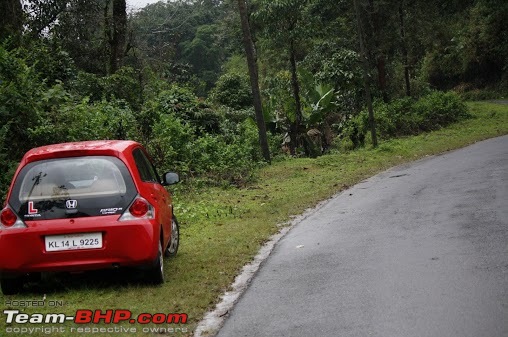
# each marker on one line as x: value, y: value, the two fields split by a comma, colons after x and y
x: 136, y: 4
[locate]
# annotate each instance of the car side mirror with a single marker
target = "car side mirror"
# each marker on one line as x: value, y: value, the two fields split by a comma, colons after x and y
x: 170, y: 178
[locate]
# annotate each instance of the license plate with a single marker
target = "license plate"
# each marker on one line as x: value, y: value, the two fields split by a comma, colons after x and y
x: 55, y: 243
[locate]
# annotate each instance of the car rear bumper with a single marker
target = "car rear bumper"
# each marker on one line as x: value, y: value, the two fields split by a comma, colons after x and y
x: 126, y: 243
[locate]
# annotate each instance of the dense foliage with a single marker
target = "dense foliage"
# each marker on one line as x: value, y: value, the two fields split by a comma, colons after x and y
x: 406, y: 117
x: 173, y: 75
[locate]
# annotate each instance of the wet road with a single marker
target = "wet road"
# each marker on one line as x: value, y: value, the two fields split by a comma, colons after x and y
x: 419, y: 250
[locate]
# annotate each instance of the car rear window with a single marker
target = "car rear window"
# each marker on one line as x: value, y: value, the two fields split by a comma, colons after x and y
x: 72, y: 187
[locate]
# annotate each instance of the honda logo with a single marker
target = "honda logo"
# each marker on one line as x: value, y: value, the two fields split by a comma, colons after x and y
x: 71, y: 204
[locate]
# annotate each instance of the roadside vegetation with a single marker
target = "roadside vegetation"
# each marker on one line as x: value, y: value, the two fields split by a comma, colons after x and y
x: 223, y: 228
x: 174, y: 76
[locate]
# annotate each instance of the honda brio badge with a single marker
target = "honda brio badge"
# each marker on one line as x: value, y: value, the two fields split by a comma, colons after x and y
x: 71, y: 204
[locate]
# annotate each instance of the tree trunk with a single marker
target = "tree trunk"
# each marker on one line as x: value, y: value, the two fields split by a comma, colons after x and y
x: 404, y: 50
x: 250, y: 51
x: 378, y: 53
x: 381, y: 71
x: 118, y: 35
x: 11, y: 20
x: 295, y: 85
x: 365, y: 63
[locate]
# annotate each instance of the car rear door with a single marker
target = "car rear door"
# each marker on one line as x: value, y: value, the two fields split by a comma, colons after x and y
x: 156, y: 194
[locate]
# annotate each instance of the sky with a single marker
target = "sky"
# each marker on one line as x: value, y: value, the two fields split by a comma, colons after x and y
x: 137, y: 4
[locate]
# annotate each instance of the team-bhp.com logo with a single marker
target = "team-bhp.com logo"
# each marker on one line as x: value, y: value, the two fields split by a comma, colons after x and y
x: 94, y: 317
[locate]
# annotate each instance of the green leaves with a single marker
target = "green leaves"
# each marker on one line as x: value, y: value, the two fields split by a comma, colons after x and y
x: 404, y: 117
x: 232, y: 90
x: 283, y: 20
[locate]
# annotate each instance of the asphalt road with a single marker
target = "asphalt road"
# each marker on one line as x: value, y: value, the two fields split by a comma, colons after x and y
x: 419, y: 250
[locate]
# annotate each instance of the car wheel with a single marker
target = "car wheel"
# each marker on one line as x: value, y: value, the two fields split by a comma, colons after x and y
x: 174, y: 241
x: 156, y: 271
x: 34, y: 277
x: 11, y: 286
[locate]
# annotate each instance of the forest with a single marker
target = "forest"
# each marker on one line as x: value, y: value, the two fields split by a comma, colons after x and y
x: 216, y: 88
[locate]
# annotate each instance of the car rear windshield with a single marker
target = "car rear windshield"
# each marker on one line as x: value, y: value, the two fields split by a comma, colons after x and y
x: 72, y: 187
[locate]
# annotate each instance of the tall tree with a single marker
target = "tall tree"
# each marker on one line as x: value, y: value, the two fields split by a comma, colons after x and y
x: 375, y: 20
x: 11, y: 19
x: 285, y: 26
x: 43, y: 15
x: 250, y: 51
x: 80, y: 30
x: 363, y: 55
x: 117, y: 35
x: 180, y: 39
x: 405, y: 57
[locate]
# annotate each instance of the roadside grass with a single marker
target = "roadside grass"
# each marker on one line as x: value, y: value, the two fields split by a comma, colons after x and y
x: 222, y: 229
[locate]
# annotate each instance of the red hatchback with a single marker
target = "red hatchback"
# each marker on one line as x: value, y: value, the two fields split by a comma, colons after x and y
x: 83, y: 206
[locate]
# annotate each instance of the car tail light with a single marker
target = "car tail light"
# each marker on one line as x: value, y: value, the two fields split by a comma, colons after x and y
x: 139, y: 209
x: 9, y: 219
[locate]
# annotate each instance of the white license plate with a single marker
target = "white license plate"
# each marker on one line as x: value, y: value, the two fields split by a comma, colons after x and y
x: 56, y: 243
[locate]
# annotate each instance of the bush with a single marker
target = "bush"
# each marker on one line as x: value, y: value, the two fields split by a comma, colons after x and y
x: 221, y: 161
x: 70, y: 121
x: 474, y: 94
x: 123, y: 85
x: 169, y: 144
x: 405, y: 117
x: 438, y: 110
x: 215, y: 159
x: 186, y: 106
x: 20, y: 96
x: 396, y: 119
x: 51, y: 62
x: 232, y: 90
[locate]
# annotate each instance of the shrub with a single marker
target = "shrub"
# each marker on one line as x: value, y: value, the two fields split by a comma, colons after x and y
x: 20, y: 95
x: 123, y: 85
x: 216, y: 159
x: 222, y: 161
x: 439, y: 109
x: 171, y: 138
x: 185, y: 105
x: 396, y: 119
x: 68, y: 121
x: 405, y: 117
x: 232, y: 90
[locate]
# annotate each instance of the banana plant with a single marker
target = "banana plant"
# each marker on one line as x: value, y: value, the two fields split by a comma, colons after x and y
x: 320, y: 99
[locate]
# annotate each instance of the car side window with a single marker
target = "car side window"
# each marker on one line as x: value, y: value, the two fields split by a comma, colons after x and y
x: 145, y: 167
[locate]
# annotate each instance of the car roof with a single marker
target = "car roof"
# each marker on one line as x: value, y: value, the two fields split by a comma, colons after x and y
x: 76, y: 149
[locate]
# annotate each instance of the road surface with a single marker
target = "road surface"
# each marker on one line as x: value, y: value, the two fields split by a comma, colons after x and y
x: 419, y: 250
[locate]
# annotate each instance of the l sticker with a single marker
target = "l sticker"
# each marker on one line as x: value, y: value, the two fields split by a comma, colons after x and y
x: 31, y: 209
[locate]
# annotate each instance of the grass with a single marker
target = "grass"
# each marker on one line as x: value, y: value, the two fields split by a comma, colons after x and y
x: 222, y: 229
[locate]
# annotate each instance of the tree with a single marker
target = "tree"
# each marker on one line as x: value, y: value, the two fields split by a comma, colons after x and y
x: 80, y: 30
x: 250, y: 51
x: 117, y: 35
x: 375, y: 19
x: 284, y: 25
x: 179, y: 40
x: 405, y: 57
x: 363, y: 55
x: 11, y: 20
x: 43, y: 15
x: 203, y: 54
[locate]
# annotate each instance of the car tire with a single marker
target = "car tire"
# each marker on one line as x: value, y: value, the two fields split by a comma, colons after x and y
x: 174, y: 240
x: 34, y: 277
x: 11, y: 286
x: 156, y: 271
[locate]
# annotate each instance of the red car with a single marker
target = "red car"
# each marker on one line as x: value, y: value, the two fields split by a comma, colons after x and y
x: 84, y: 206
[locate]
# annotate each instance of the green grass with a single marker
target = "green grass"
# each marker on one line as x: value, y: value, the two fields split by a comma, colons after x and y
x: 222, y: 229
